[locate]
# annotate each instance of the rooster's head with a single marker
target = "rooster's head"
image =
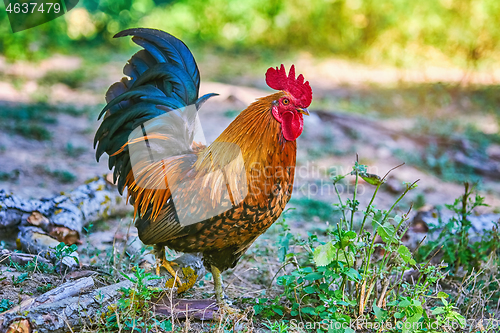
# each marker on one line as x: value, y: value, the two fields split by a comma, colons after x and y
x: 289, y: 108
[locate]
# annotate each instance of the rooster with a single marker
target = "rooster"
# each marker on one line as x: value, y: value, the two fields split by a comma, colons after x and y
x: 188, y: 196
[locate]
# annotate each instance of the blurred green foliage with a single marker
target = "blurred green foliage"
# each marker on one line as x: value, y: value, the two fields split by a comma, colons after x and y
x: 400, y: 32
x: 90, y: 23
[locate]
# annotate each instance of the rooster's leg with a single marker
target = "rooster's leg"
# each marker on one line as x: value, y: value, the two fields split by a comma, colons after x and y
x: 161, y: 261
x: 219, y: 286
x: 219, y: 293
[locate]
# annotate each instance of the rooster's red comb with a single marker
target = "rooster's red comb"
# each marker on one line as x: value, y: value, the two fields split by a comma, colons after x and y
x: 300, y: 90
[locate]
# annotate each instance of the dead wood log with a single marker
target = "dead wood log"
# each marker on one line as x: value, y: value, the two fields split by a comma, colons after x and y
x: 43, y: 224
x: 68, y: 289
x: 87, y: 203
x: 71, y: 306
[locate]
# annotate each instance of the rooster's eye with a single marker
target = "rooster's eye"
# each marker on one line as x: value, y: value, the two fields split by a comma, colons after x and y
x: 285, y: 101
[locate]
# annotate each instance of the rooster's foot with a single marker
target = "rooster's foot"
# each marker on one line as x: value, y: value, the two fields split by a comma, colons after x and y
x: 168, y: 266
x: 161, y: 261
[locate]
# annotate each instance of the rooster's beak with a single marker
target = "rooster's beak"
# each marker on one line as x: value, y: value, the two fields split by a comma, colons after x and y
x: 303, y: 111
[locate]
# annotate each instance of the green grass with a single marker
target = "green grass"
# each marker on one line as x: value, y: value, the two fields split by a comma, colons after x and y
x: 309, y: 209
x: 74, y: 151
x: 9, y: 176
x: 460, y: 33
x: 45, y: 288
x: 73, y: 79
x: 32, y: 131
x: 60, y: 175
x: 32, y: 266
x: 231, y: 114
x: 31, y: 120
x: 27, y: 120
x: 326, y: 144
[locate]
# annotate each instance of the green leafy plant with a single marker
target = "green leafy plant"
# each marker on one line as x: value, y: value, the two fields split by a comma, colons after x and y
x: 276, y: 326
x: 5, y: 305
x: 63, y: 176
x: 446, y: 314
x: 458, y: 251
x: 20, y: 279
x: 134, y: 304
x: 356, y: 273
x: 62, y: 251
x: 45, y: 288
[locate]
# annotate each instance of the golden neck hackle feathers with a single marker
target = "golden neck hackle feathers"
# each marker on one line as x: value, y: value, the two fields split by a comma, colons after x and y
x: 254, y: 131
x: 258, y: 136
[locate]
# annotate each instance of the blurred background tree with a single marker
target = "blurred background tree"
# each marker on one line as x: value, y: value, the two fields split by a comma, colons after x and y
x: 402, y: 33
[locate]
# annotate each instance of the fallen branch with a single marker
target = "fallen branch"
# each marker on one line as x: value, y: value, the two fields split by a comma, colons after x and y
x: 43, y: 224
x: 65, y: 215
x: 72, y: 306
x: 68, y: 289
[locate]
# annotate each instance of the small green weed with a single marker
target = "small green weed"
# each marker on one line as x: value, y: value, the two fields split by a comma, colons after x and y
x: 20, y: 279
x: 276, y: 326
x: 132, y: 309
x: 231, y: 113
x: 436, y: 161
x: 32, y: 131
x: 63, y: 176
x: 73, y: 79
x: 310, y: 209
x: 45, y: 288
x: 446, y: 313
x: 9, y: 176
x: 27, y: 120
x: 31, y: 120
x: 62, y: 251
x: 5, y: 305
x: 457, y: 249
x: 73, y: 151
